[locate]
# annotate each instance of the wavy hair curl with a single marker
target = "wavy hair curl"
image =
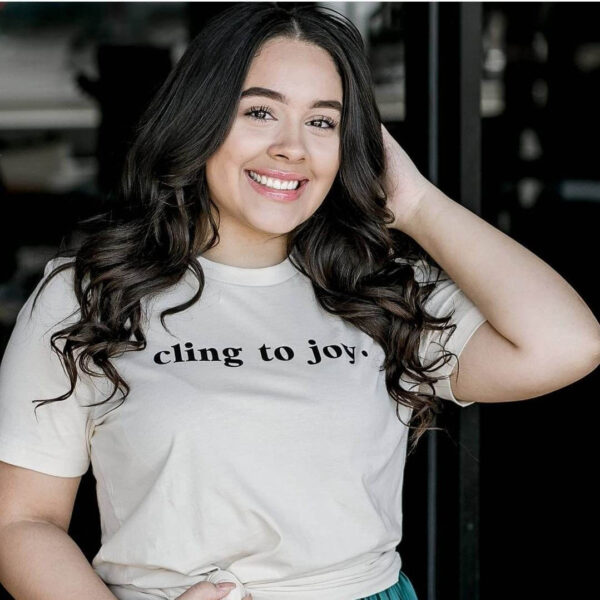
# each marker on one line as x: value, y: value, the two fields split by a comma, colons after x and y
x: 162, y: 218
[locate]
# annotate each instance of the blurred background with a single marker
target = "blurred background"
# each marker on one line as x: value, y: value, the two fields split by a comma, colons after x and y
x: 74, y: 76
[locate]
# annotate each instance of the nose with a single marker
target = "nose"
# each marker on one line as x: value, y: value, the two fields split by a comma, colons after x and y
x: 221, y: 575
x: 289, y: 145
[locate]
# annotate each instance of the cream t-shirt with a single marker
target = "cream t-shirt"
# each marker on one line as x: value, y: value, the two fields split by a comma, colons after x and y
x: 258, y: 437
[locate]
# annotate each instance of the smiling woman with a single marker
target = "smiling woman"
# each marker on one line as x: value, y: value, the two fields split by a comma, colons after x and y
x: 253, y: 213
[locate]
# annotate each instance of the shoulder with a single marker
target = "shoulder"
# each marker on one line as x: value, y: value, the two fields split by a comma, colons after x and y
x: 59, y: 261
x: 53, y: 299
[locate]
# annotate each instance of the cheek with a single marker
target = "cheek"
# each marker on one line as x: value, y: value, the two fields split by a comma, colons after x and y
x: 233, y: 150
x: 243, y: 139
x: 327, y: 156
x: 220, y: 165
x: 329, y: 167
x: 216, y: 178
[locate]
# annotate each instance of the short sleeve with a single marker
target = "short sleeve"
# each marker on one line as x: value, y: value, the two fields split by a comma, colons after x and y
x: 445, y: 298
x: 56, y: 442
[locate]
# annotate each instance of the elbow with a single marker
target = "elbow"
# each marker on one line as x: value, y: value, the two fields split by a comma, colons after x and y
x: 583, y: 360
x: 591, y: 349
x: 584, y: 348
x: 594, y: 352
x: 559, y: 365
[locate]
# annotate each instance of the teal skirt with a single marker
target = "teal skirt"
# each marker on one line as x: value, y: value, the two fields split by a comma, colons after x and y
x: 401, y: 590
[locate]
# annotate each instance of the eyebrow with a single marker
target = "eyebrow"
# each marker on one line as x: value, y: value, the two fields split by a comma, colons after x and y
x: 273, y: 95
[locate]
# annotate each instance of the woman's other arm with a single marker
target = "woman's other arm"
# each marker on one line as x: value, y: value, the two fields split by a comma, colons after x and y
x: 40, y: 561
x: 38, y: 558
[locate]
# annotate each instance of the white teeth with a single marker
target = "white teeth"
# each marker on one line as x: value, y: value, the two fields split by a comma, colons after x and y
x: 276, y: 184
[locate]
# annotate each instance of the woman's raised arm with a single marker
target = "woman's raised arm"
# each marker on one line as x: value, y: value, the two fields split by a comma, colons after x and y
x: 540, y: 335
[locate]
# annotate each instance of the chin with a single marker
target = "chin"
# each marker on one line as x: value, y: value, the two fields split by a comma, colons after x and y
x: 274, y: 228
x: 280, y: 231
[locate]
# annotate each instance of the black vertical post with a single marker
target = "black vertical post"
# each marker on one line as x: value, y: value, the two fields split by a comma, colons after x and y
x: 470, y: 72
x: 443, y: 127
x: 420, y: 141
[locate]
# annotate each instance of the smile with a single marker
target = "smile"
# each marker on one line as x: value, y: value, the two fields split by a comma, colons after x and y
x: 275, y: 194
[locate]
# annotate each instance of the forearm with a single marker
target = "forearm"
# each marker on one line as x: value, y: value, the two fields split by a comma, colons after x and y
x: 39, y: 561
x: 522, y: 297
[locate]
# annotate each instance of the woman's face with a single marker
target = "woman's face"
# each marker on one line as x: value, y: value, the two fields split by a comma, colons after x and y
x: 287, y: 136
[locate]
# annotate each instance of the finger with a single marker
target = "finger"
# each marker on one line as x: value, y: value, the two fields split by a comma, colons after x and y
x: 223, y: 589
x: 204, y: 590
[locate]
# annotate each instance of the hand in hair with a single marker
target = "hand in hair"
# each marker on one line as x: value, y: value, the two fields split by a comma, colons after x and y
x: 404, y: 184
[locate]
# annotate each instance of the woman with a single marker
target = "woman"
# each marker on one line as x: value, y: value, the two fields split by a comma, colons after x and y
x: 245, y: 362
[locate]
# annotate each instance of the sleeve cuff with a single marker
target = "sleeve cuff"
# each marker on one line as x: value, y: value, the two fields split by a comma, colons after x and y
x: 471, y: 322
x: 12, y: 452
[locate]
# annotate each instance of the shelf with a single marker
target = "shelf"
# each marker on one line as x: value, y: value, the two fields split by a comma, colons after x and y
x: 69, y: 117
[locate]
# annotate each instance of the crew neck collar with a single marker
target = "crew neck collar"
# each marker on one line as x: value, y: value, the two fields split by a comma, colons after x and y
x: 248, y: 276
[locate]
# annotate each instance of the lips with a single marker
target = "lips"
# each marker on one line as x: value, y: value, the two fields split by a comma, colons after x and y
x: 303, y: 181
x: 275, y: 194
x: 282, y: 175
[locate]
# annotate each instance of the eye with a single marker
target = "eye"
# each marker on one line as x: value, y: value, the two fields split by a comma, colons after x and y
x: 258, y: 109
x: 327, y: 120
x: 265, y: 109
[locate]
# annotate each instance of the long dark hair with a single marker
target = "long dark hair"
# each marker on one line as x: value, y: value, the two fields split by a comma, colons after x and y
x: 162, y: 221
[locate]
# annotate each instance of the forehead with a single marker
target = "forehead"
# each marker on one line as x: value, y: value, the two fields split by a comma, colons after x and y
x: 295, y: 68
